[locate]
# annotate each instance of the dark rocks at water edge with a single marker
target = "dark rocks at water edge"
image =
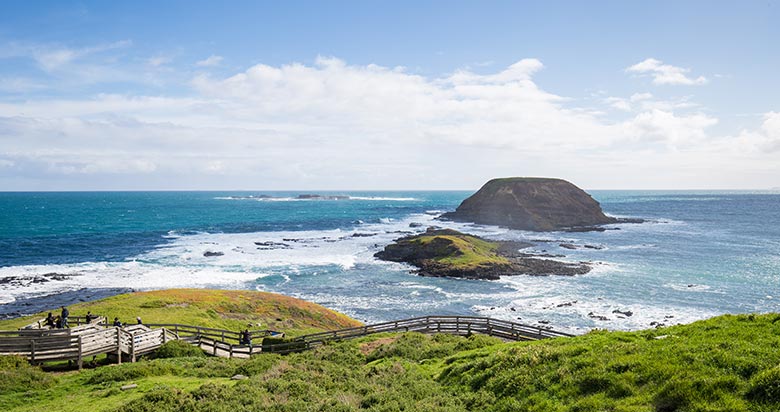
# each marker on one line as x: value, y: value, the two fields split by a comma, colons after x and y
x: 24, y: 306
x: 451, y: 253
x: 537, y: 204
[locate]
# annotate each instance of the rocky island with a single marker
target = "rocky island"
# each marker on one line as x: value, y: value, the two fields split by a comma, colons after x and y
x: 536, y: 204
x: 446, y: 252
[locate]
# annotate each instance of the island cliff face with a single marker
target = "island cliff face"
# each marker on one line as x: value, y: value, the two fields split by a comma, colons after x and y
x: 527, y: 203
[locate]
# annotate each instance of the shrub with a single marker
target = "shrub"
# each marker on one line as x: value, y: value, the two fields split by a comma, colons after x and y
x: 17, y: 375
x: 177, y: 349
x: 765, y: 386
x: 129, y: 371
x: 272, y: 344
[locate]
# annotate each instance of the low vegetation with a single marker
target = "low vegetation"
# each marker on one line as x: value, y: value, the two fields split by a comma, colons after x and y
x: 729, y: 363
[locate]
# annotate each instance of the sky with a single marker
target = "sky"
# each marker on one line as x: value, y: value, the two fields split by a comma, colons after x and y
x: 401, y: 95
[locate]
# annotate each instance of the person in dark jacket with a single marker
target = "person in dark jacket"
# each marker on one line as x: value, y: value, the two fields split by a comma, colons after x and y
x: 64, y: 317
x: 90, y: 317
x: 117, y: 323
x: 50, y: 321
x: 246, y: 337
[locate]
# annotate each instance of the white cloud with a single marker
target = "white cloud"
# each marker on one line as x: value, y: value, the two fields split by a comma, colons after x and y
x: 764, y: 140
x: 638, y: 97
x: 332, y: 125
x: 665, y: 73
x: 670, y: 128
x: 210, y: 61
x: 51, y: 58
x: 159, y: 60
x: 619, y: 103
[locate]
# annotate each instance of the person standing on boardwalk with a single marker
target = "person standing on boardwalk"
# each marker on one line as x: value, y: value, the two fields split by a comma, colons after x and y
x: 246, y: 337
x: 64, y: 317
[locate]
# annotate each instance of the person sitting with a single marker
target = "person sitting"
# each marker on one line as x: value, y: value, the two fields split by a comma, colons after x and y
x: 117, y: 323
x: 138, y: 319
x: 50, y: 321
x: 58, y: 322
x: 90, y: 317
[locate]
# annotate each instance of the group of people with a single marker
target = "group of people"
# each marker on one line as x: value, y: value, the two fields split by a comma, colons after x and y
x: 119, y: 324
x: 59, y: 322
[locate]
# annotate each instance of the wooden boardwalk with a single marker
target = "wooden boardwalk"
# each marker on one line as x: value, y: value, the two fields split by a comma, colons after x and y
x: 39, y: 344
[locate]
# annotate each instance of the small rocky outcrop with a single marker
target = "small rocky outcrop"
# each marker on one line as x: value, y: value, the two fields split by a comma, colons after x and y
x: 537, y: 204
x: 446, y: 252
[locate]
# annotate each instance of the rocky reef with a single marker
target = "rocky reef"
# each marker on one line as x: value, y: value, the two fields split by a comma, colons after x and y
x: 537, y: 204
x: 446, y: 252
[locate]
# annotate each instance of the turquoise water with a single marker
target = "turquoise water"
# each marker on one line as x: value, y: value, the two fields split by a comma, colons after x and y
x: 699, y: 254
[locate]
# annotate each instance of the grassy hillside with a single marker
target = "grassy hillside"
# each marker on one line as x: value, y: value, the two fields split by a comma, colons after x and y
x: 226, y: 309
x: 728, y: 364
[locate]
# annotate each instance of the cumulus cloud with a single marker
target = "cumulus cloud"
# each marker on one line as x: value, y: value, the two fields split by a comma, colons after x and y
x: 766, y: 139
x: 665, y: 73
x: 335, y: 125
x: 210, y: 61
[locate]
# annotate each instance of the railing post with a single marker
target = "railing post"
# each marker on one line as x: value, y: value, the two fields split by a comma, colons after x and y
x: 164, y: 336
x: 80, y: 360
x: 118, y: 346
x: 132, y: 348
x: 32, y: 351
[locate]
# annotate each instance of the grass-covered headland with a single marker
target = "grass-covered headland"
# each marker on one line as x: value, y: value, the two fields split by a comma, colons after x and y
x: 728, y: 363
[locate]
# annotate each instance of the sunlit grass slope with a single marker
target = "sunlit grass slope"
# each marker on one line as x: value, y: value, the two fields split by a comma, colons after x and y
x: 227, y: 309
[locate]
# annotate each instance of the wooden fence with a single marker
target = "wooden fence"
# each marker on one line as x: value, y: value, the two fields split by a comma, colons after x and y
x: 44, y: 345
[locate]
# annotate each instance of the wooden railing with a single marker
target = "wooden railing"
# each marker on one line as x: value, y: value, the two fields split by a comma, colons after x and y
x: 458, y: 325
x: 41, y: 345
x: 72, y: 320
x: 222, y: 335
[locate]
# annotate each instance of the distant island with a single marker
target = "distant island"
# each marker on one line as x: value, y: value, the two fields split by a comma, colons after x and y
x: 532, y: 203
x: 446, y: 252
x: 299, y: 197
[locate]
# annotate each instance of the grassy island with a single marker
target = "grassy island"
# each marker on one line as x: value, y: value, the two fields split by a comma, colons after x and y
x: 729, y: 363
x: 447, y: 252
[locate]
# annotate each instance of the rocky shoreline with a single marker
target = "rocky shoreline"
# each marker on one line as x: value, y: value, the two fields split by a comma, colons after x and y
x: 449, y: 253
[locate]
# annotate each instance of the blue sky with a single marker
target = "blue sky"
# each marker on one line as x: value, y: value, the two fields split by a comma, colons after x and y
x: 393, y: 95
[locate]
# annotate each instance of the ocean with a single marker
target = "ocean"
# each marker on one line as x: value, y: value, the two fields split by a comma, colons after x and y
x: 698, y: 254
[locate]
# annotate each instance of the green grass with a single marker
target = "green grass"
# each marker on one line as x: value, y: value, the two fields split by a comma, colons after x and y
x: 726, y: 364
x: 464, y: 251
x: 225, y: 309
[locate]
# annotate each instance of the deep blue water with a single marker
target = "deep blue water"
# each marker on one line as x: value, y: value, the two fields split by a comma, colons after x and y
x: 698, y: 255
